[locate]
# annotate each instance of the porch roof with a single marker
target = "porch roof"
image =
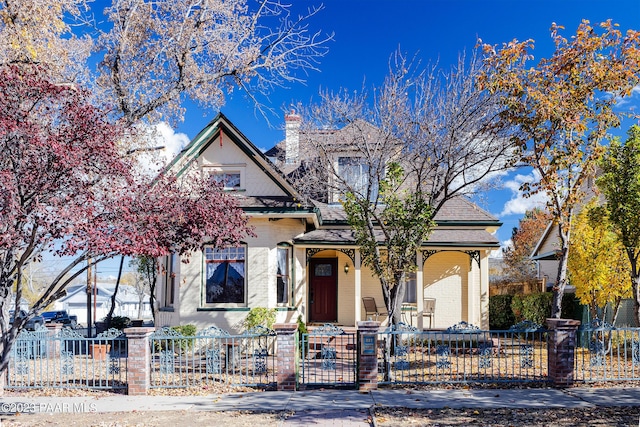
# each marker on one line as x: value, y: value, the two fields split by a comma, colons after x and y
x: 439, y: 237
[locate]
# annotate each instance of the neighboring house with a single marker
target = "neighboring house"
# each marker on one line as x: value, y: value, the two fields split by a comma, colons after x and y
x: 303, y: 260
x: 547, y: 250
x: 127, y: 302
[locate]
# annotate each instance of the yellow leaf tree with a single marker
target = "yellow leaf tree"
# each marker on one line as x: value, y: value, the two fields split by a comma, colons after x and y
x: 598, y: 267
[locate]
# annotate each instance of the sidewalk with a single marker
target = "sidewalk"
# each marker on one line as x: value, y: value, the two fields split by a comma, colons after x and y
x: 334, y: 407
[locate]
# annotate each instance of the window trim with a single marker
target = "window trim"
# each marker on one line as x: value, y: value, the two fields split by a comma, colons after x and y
x: 212, y: 171
x: 169, y: 291
x: 290, y: 275
x: 223, y: 305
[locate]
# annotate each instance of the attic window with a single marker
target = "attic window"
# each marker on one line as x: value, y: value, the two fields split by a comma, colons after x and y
x: 229, y: 179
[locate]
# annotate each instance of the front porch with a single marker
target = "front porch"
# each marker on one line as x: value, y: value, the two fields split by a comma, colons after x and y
x: 449, y: 286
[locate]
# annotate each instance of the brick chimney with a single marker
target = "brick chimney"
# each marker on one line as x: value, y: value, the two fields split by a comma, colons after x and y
x: 292, y: 137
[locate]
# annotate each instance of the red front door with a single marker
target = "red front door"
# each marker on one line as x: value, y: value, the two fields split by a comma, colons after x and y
x: 323, y: 290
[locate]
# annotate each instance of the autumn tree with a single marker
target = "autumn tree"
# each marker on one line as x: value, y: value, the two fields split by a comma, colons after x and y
x: 620, y: 184
x: 598, y: 268
x: 563, y: 107
x: 422, y: 138
x: 521, y: 268
x: 65, y: 189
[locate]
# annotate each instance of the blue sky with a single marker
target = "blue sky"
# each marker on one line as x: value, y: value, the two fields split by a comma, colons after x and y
x: 367, y: 32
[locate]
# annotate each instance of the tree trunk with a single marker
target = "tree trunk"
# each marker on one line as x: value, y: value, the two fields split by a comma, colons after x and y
x: 561, y: 281
x: 115, y: 293
x: 635, y: 282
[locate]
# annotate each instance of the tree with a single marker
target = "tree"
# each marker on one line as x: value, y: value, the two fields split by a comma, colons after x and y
x: 523, y: 240
x: 563, y: 108
x: 620, y: 184
x: 597, y: 267
x: 424, y: 138
x: 66, y: 189
x: 152, y: 55
x: 145, y: 279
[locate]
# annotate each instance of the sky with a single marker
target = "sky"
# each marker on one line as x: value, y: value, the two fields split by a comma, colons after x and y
x: 367, y: 32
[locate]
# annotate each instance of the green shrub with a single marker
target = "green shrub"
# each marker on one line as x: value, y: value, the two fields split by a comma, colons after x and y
x: 260, y: 316
x: 118, y: 322
x: 500, y: 313
x: 533, y: 307
x: 179, y: 345
x: 302, y: 329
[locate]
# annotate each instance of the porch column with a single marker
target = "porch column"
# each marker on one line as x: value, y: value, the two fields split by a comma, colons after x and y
x: 484, y: 290
x: 358, y: 286
x: 419, y: 291
x: 473, y: 293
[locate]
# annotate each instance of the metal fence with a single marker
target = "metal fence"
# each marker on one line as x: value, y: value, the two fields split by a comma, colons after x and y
x: 606, y: 353
x: 213, y: 356
x: 42, y: 358
x: 462, y: 354
x: 328, y: 358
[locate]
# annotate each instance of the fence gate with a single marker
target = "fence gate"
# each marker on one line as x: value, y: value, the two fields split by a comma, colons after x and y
x: 328, y: 358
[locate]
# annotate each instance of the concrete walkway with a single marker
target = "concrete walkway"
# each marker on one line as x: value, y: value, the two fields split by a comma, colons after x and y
x: 334, y: 407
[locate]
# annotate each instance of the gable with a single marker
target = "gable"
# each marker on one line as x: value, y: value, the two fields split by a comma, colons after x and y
x: 221, y: 148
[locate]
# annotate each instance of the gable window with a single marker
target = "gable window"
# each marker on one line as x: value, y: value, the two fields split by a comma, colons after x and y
x: 225, y: 275
x: 230, y: 177
x: 283, y: 274
x: 355, y: 173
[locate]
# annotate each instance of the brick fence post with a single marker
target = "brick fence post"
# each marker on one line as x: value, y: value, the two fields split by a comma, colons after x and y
x: 287, y: 355
x: 53, y: 345
x: 138, y: 360
x: 368, y: 355
x: 561, y: 350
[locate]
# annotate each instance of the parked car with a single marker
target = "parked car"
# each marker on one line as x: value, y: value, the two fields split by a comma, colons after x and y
x: 32, y: 323
x: 60, y: 316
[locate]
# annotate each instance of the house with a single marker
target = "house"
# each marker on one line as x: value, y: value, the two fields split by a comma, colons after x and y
x: 127, y: 302
x: 304, y: 260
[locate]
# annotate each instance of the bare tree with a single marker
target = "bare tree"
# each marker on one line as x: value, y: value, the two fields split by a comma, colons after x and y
x: 394, y: 156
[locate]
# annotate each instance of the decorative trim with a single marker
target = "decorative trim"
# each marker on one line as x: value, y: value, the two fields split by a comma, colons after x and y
x: 351, y: 253
x: 473, y: 255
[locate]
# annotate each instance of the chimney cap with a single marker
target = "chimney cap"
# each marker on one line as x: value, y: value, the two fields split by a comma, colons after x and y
x: 292, y: 116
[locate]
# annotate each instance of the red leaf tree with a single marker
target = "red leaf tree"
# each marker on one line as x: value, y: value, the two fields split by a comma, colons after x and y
x: 67, y: 188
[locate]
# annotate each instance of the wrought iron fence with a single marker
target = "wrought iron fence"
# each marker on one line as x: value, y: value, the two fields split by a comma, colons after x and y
x: 462, y: 354
x: 606, y: 353
x: 328, y: 358
x: 213, y: 356
x: 42, y: 358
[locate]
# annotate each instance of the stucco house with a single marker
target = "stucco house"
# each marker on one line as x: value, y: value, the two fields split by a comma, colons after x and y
x: 303, y: 260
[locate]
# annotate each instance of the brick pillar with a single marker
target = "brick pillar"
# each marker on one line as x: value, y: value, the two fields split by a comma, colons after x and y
x: 287, y: 355
x: 561, y: 350
x: 138, y: 361
x: 368, y: 355
x: 53, y: 345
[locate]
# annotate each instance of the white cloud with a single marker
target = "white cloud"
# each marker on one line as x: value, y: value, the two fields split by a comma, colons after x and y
x: 159, y: 146
x: 518, y: 204
x: 621, y: 101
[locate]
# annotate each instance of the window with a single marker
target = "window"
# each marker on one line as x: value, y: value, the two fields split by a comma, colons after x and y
x: 225, y: 275
x: 228, y: 180
x: 410, y: 291
x: 355, y: 173
x: 169, y: 281
x: 283, y: 275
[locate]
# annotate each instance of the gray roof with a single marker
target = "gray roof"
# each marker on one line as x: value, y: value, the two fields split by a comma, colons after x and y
x: 439, y: 237
x: 458, y: 209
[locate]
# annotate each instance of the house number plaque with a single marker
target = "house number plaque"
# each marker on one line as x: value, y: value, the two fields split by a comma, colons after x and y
x: 368, y: 345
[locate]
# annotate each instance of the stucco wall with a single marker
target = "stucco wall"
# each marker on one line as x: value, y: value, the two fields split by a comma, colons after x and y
x: 445, y: 278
